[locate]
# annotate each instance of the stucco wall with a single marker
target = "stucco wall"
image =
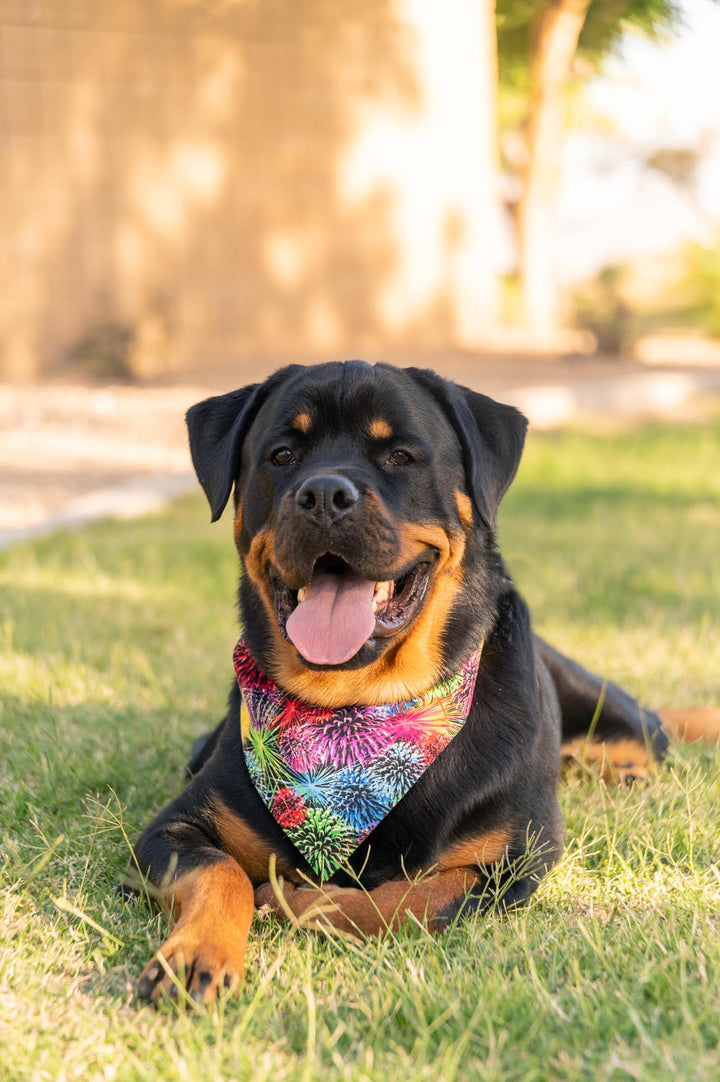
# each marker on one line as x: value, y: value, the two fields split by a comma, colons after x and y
x: 185, y: 181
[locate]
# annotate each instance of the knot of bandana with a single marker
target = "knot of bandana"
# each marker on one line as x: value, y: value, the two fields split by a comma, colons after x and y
x: 328, y: 777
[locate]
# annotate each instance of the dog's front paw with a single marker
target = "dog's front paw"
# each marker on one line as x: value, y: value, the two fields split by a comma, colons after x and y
x: 186, y: 965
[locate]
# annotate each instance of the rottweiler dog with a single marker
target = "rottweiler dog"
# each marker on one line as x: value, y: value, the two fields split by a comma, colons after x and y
x: 394, y: 736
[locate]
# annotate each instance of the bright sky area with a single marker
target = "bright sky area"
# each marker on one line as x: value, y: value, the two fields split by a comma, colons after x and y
x: 666, y: 95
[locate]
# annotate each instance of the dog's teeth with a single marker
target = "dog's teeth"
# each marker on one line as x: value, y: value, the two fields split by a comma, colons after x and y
x: 381, y: 595
x: 301, y: 593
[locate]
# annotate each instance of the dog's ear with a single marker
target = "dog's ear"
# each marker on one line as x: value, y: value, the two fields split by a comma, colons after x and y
x: 217, y: 429
x: 491, y: 436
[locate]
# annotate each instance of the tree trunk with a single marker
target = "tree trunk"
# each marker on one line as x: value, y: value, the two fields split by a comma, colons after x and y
x: 556, y: 40
x: 473, y: 235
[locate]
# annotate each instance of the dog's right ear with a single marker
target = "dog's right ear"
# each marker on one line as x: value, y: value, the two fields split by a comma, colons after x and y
x: 217, y: 428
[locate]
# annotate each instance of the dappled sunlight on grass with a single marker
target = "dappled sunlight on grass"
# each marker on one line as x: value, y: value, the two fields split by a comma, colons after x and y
x: 96, y: 586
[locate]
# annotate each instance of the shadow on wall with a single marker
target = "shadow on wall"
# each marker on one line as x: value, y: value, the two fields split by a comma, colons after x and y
x: 186, y: 182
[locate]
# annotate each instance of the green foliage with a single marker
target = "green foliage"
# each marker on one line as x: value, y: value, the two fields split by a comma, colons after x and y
x: 600, y: 306
x: 619, y: 309
x: 605, y: 24
x: 698, y: 289
x: 514, y: 36
x: 116, y: 652
x: 608, y: 20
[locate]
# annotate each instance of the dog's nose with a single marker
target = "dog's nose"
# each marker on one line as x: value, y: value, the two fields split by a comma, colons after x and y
x: 326, y: 497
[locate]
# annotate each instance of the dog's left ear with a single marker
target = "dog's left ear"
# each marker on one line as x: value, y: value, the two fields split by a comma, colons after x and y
x: 491, y: 435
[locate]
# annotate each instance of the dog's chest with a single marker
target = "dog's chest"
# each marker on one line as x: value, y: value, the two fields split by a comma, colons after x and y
x: 330, y: 778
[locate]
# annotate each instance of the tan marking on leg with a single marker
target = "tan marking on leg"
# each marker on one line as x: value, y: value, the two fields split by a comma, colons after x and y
x: 250, y: 851
x: 484, y: 849
x: 693, y: 723
x: 465, y: 509
x: 357, y: 912
x: 380, y: 429
x: 213, y: 907
x: 302, y: 422
x: 612, y: 760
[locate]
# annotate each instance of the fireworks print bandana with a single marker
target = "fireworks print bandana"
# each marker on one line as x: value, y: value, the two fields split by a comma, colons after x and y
x: 329, y: 777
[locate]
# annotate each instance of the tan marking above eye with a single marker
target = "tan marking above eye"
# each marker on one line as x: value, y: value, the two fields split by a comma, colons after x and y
x: 380, y: 429
x: 302, y: 422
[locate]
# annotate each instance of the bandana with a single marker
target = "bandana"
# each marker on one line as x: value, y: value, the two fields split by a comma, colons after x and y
x: 328, y: 777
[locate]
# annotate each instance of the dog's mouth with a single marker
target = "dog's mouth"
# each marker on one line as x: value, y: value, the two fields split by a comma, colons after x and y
x: 331, y: 618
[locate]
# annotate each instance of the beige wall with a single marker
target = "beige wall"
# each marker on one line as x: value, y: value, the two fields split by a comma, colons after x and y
x: 241, y: 177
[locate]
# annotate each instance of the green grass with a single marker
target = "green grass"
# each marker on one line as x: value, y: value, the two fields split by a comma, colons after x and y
x: 115, y: 652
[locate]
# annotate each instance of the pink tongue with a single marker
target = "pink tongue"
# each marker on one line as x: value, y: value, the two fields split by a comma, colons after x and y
x: 334, y: 620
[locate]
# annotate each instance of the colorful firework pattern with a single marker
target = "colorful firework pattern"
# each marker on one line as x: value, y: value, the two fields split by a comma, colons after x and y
x: 328, y: 778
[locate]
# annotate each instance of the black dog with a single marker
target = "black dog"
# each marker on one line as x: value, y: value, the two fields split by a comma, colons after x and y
x: 396, y: 744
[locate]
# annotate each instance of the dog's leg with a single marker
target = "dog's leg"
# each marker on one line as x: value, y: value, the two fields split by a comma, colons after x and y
x: 210, y: 898
x: 435, y: 899
x: 196, y: 860
x: 601, y: 723
x: 352, y: 911
x: 693, y: 723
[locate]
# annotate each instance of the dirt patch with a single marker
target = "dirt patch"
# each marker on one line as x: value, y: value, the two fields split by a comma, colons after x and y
x: 60, y: 443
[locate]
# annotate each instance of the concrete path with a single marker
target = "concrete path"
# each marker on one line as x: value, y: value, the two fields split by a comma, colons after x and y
x: 70, y: 454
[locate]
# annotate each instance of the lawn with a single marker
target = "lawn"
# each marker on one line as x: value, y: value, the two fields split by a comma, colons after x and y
x: 115, y: 653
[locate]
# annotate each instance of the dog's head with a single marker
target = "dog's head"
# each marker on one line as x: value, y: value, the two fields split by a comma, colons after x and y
x: 365, y: 502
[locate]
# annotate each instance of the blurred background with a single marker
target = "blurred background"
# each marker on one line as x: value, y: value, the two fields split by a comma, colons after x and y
x: 189, y: 183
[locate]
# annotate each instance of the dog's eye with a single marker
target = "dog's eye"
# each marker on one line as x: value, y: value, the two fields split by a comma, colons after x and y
x: 282, y: 457
x: 399, y: 458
